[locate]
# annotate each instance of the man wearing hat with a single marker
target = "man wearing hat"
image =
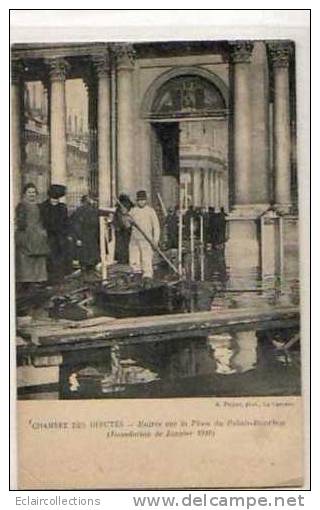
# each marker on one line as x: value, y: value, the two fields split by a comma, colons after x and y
x: 140, y: 250
x: 54, y: 216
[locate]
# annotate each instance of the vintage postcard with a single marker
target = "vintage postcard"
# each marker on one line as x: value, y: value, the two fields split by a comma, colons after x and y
x: 155, y: 217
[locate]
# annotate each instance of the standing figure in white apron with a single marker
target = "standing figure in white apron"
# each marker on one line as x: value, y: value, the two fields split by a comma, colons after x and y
x: 140, y: 250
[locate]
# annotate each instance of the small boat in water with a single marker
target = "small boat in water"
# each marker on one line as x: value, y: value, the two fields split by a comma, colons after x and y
x: 133, y: 301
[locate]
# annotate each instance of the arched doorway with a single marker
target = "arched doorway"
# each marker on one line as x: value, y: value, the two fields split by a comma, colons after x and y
x: 189, y: 140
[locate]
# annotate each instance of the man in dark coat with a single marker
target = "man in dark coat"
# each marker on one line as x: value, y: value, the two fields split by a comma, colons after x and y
x: 84, y: 224
x: 54, y: 216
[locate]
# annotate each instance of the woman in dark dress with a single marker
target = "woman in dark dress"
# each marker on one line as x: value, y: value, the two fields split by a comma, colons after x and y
x: 122, y: 229
x: 30, y: 240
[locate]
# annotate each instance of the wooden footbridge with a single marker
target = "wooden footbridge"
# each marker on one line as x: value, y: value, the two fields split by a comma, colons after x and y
x: 55, y: 337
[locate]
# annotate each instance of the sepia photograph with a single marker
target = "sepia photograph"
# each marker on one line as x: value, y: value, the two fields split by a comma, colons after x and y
x: 156, y: 258
x: 156, y: 219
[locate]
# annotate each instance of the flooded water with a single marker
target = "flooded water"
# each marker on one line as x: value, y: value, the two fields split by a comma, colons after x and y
x: 232, y: 363
x: 242, y: 363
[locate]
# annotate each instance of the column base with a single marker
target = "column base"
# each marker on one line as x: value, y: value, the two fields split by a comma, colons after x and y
x: 283, y: 208
x: 242, y: 251
x: 248, y: 210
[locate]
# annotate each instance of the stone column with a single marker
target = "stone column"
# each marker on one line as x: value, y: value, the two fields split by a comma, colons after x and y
x: 240, y: 56
x: 16, y: 129
x: 58, y: 140
x: 205, y: 187
x: 125, y: 61
x: 92, y: 91
x: 220, y: 190
x: 113, y: 128
x: 212, y: 200
x: 260, y: 155
x: 280, y: 53
x: 104, y: 161
x: 216, y: 190
x: 197, y: 186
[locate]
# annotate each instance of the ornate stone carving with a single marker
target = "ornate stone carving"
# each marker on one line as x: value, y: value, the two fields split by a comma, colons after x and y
x: 241, y: 51
x: 101, y: 64
x: 57, y: 69
x: 17, y: 69
x: 124, y: 54
x: 280, y: 53
x: 188, y: 95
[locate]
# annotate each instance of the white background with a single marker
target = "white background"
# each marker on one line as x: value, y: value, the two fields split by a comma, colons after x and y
x: 167, y: 24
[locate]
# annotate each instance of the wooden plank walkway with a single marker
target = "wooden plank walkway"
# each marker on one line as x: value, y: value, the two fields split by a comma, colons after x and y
x: 56, y: 337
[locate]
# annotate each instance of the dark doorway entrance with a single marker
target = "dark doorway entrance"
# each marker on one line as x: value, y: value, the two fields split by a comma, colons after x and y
x: 165, y: 165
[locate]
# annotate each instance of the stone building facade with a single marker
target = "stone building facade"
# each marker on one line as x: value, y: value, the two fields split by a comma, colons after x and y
x: 202, y: 123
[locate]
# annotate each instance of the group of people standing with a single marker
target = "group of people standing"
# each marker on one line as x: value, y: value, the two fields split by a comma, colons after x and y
x: 47, y: 239
x: 214, y: 226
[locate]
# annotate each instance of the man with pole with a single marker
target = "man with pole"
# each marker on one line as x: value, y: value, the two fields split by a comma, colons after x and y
x: 144, y: 219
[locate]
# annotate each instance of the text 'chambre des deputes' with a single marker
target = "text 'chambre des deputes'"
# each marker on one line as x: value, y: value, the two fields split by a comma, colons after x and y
x: 145, y: 428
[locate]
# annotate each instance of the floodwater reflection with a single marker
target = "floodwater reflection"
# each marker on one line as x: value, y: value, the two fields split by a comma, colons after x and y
x: 227, y: 364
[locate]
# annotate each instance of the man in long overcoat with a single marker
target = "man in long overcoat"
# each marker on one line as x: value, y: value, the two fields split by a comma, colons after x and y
x: 54, y: 216
x: 84, y: 224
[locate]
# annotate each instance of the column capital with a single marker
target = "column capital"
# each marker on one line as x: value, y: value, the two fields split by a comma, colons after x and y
x: 17, y: 70
x: 58, y: 68
x: 240, y: 51
x: 124, y: 54
x: 279, y: 53
x: 101, y: 64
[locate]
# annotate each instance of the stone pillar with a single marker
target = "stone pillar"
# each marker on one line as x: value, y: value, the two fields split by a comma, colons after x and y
x: 212, y: 200
x: 260, y: 156
x: 113, y: 128
x: 58, y: 140
x: 206, y: 177
x: 92, y: 91
x: 221, y: 191
x: 216, y: 190
x: 104, y: 161
x: 197, y: 186
x: 280, y: 53
x: 240, y: 56
x: 224, y: 202
x: 16, y: 130
x: 125, y: 61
